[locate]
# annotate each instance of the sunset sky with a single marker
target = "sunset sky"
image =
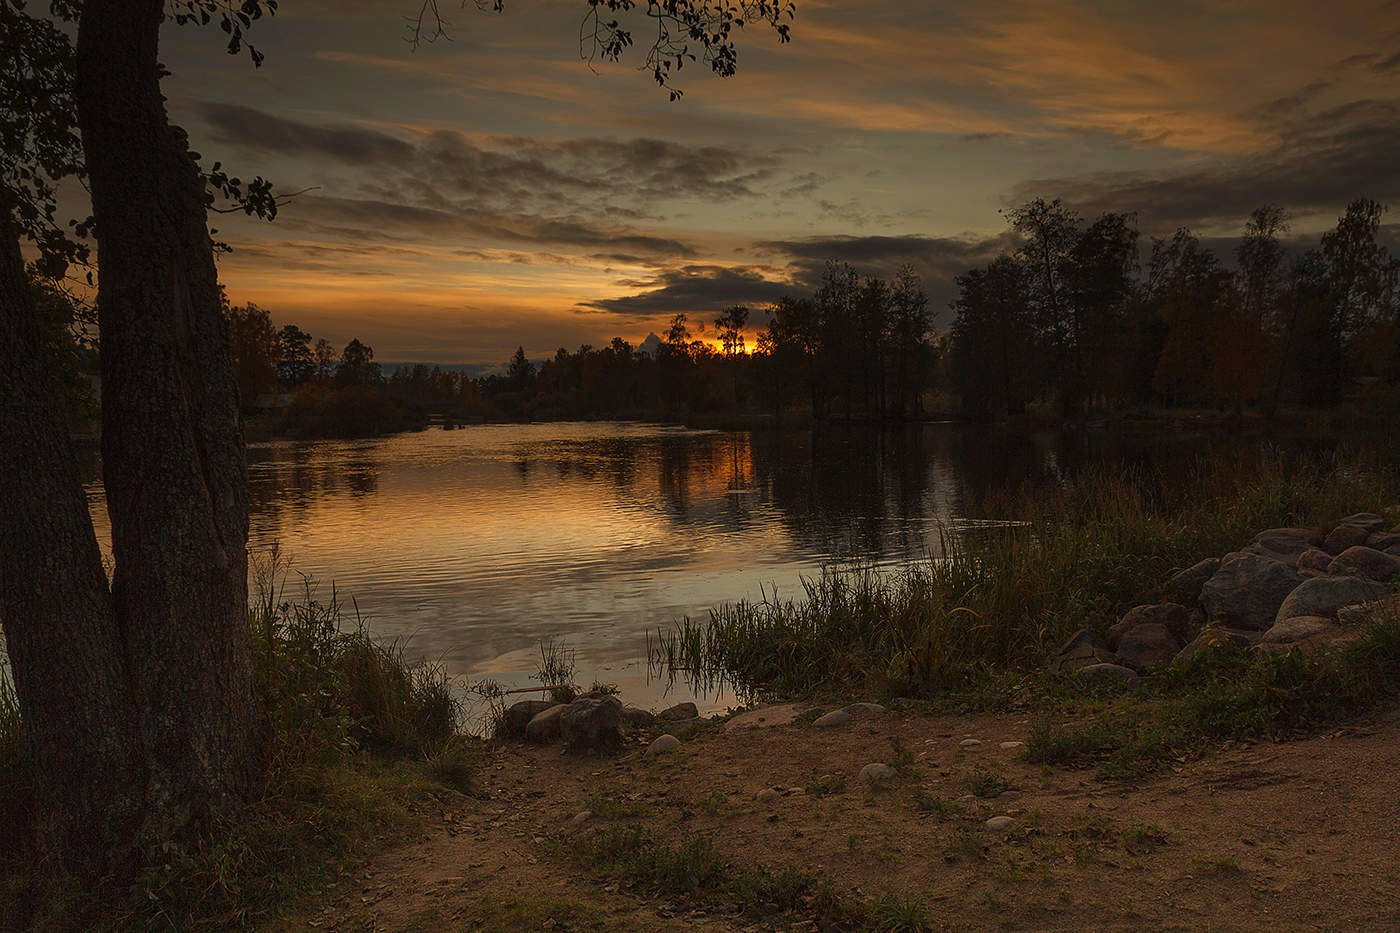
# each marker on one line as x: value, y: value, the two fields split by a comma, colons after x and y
x: 493, y: 190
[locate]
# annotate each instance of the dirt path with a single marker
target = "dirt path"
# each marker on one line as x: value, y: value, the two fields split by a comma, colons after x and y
x: 1295, y: 836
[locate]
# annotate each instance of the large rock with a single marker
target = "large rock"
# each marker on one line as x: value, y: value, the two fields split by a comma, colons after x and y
x: 1082, y: 649
x: 1247, y: 591
x: 634, y: 717
x: 1109, y: 674
x: 1284, y: 544
x: 1176, y: 617
x: 518, y: 716
x: 544, y: 726
x: 592, y: 722
x: 1213, y: 638
x: 1314, y: 562
x: 1388, y: 541
x: 1323, y: 596
x: 679, y: 712
x: 1365, y: 562
x: 1385, y: 609
x: 1367, y: 520
x: 1147, y: 646
x: 1184, y: 586
x: 1345, y: 536
x: 1298, y: 628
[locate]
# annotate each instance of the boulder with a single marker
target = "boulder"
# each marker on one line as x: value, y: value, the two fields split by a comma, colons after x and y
x: 1367, y: 520
x: 1298, y: 628
x: 1148, y: 645
x: 1184, y: 586
x: 1365, y: 562
x: 1247, y: 591
x: 1082, y: 649
x: 679, y: 712
x: 592, y: 722
x: 1323, y: 596
x: 1301, y: 628
x: 837, y: 717
x: 1314, y: 562
x: 1345, y: 536
x: 1109, y: 674
x: 1284, y: 544
x: 518, y: 716
x: 863, y: 709
x: 878, y: 773
x: 1176, y: 617
x: 544, y: 725
x: 1385, y: 609
x: 663, y: 744
x: 999, y: 824
x: 1213, y: 637
x: 1383, y: 540
x: 635, y: 717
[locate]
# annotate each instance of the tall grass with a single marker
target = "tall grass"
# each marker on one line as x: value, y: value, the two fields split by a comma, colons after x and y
x: 1004, y: 598
x: 356, y: 737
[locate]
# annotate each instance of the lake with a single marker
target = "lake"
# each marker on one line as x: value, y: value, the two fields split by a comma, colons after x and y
x: 474, y: 546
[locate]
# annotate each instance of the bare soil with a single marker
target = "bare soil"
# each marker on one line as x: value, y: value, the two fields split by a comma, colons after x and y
x: 1302, y: 835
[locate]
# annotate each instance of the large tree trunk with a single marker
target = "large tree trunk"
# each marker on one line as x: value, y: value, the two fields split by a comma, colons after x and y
x: 60, y: 628
x: 173, y: 459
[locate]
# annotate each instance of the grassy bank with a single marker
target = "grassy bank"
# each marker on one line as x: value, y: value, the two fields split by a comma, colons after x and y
x: 1001, y: 600
x: 360, y: 743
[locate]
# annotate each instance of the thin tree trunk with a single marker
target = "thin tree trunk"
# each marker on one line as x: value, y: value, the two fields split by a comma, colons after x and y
x: 173, y: 459
x: 60, y: 628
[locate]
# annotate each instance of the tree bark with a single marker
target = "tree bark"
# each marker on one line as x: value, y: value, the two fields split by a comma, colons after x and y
x: 173, y: 458
x: 60, y: 627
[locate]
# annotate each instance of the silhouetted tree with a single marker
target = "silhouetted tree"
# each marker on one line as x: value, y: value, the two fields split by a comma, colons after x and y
x: 295, y: 362
x: 357, y: 366
x: 257, y: 351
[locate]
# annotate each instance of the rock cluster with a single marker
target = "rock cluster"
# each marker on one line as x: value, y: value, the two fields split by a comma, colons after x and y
x: 593, y: 722
x: 1287, y: 586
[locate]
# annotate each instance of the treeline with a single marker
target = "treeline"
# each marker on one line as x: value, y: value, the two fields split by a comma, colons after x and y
x: 856, y: 348
x: 1072, y: 318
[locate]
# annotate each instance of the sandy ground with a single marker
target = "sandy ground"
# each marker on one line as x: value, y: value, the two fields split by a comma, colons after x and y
x: 1303, y: 835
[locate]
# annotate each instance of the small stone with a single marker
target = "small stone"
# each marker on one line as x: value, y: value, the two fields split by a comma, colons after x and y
x: 877, y: 773
x: 837, y: 717
x: 1010, y: 745
x: 1109, y: 674
x: 970, y: 743
x: 583, y: 816
x: 999, y: 824
x: 768, y: 795
x: 679, y: 712
x: 663, y: 744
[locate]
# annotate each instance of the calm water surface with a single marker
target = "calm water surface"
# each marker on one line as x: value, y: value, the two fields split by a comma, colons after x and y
x: 474, y: 546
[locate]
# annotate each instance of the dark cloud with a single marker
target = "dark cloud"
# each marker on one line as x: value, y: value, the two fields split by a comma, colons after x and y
x: 373, y: 219
x: 259, y: 131
x: 1326, y: 160
x: 695, y: 289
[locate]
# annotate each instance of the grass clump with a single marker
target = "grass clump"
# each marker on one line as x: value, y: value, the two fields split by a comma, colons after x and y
x: 1230, y: 695
x: 694, y: 871
x: 987, y: 785
x: 1004, y: 598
